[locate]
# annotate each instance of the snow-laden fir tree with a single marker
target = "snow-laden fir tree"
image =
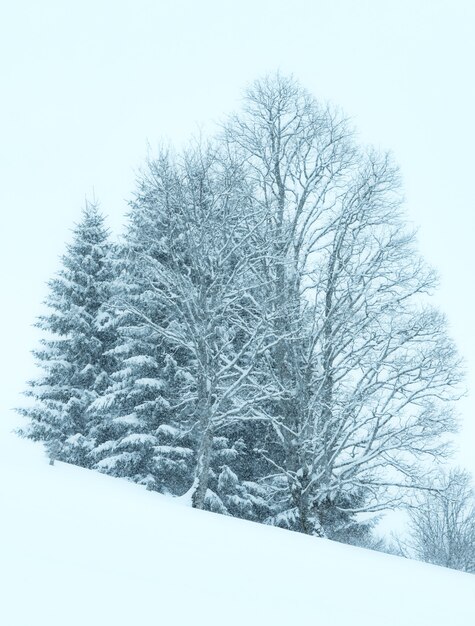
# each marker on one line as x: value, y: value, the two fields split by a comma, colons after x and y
x: 73, y: 361
x: 140, y: 436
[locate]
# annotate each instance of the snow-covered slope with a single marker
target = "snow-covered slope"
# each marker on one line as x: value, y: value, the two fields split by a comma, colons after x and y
x: 79, y: 548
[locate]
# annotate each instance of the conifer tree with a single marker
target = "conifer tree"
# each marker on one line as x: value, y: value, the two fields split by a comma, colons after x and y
x: 140, y: 437
x: 75, y: 366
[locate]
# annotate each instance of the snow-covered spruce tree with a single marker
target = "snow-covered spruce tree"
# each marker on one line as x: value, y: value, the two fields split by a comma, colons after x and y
x: 140, y: 437
x: 73, y: 355
x: 361, y: 371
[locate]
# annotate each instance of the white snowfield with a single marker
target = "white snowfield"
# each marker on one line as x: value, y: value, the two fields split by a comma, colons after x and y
x: 80, y: 548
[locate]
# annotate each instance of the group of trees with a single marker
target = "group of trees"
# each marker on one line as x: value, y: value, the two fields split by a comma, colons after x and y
x: 261, y: 340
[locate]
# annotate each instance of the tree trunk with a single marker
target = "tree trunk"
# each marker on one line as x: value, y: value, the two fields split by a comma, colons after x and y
x: 202, y: 469
x: 310, y: 519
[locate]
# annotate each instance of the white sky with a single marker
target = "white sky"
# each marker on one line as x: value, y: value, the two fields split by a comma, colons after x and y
x: 85, y: 85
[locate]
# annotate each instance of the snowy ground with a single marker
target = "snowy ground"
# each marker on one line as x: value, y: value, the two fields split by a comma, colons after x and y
x: 79, y: 548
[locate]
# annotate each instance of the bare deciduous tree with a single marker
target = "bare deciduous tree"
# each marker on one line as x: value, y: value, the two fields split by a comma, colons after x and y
x: 442, y: 525
x: 362, y: 368
x: 207, y: 286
